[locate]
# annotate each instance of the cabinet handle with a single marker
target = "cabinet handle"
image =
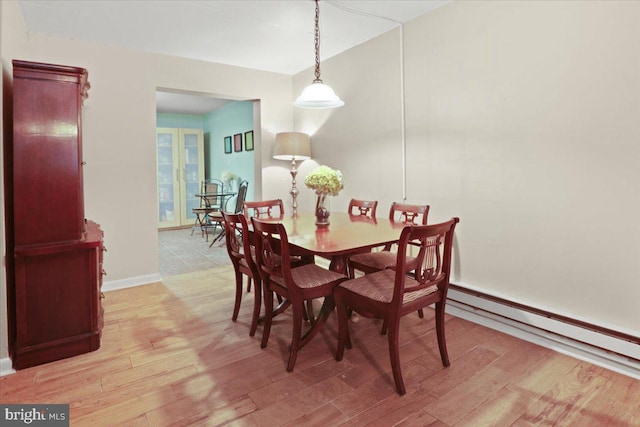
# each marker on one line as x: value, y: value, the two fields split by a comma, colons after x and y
x: 104, y: 273
x: 83, y: 163
x: 104, y: 249
x: 101, y: 295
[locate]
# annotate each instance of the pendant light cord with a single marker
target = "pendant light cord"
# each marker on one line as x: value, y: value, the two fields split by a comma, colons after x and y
x: 316, y: 37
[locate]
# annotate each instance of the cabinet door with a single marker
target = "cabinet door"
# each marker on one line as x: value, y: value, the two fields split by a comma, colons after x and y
x: 168, y: 147
x: 192, y: 164
x: 57, y: 302
x: 47, y: 173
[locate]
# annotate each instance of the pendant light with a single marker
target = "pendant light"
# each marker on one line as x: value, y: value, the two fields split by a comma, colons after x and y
x: 318, y: 94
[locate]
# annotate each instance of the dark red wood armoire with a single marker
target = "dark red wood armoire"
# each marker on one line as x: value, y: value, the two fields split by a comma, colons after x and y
x: 54, y: 298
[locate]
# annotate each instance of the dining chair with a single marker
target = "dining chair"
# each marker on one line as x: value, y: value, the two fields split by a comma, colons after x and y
x: 217, y: 217
x: 390, y: 294
x: 239, y: 249
x: 296, y: 285
x: 274, y: 208
x: 207, y: 205
x: 370, y: 262
x: 362, y: 208
x: 361, y: 211
x: 264, y: 209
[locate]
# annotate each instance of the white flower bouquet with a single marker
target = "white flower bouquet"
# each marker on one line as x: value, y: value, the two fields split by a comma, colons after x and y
x: 325, y: 180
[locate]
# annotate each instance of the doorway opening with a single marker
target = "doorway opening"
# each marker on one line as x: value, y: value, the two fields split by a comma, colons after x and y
x: 193, y: 131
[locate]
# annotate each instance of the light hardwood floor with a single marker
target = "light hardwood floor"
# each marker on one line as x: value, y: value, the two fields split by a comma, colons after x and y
x: 171, y: 355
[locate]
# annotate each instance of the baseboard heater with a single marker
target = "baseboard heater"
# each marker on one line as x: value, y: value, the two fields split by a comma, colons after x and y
x: 602, y: 346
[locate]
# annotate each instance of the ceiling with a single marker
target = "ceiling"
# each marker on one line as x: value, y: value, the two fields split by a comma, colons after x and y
x: 266, y: 35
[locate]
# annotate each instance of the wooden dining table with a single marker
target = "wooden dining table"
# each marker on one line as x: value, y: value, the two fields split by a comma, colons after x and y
x: 346, y: 235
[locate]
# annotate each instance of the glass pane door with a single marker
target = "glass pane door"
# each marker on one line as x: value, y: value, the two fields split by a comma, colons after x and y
x: 192, y: 158
x: 168, y: 178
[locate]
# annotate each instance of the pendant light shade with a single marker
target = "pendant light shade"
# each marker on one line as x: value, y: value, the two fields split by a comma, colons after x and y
x: 318, y: 94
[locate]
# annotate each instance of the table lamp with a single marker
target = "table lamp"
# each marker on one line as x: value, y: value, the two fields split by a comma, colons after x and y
x: 292, y: 146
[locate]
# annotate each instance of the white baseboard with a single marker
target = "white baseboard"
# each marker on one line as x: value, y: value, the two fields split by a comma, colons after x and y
x: 130, y: 282
x: 6, y: 367
x: 620, y: 355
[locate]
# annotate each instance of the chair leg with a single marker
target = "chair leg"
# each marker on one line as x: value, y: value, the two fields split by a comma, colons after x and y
x: 257, y: 303
x: 268, y: 314
x: 196, y: 223
x: 351, y: 273
x: 442, y: 343
x: 394, y: 355
x: 219, y: 236
x: 343, y: 326
x: 206, y: 226
x: 236, y: 307
x: 310, y: 310
x: 297, y: 309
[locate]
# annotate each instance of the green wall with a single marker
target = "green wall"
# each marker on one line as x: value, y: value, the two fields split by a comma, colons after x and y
x: 233, y: 118
x: 172, y: 120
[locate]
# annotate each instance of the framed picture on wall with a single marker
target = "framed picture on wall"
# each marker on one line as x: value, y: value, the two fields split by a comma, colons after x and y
x: 248, y: 141
x: 227, y: 145
x: 237, y: 142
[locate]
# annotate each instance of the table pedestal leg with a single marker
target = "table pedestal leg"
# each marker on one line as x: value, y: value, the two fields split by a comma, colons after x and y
x: 327, y: 307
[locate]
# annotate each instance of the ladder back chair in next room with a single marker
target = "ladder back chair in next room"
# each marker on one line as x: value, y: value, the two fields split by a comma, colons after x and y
x: 207, y: 204
x: 296, y: 285
x: 390, y: 294
x: 217, y: 217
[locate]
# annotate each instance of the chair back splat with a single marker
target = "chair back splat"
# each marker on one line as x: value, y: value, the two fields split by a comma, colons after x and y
x: 363, y: 208
x: 409, y: 214
x: 212, y: 186
x: 240, y: 198
x: 264, y: 209
x: 207, y: 204
x: 390, y: 294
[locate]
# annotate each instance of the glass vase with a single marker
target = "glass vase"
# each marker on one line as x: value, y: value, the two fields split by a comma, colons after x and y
x: 322, y: 210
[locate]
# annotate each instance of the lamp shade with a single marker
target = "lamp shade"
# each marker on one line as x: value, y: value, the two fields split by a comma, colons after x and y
x: 292, y: 145
x: 318, y: 95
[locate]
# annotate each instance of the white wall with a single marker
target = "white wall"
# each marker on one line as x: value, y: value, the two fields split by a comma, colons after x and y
x: 523, y: 119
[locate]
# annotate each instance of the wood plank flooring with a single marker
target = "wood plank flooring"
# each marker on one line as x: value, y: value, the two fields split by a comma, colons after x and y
x: 171, y: 356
